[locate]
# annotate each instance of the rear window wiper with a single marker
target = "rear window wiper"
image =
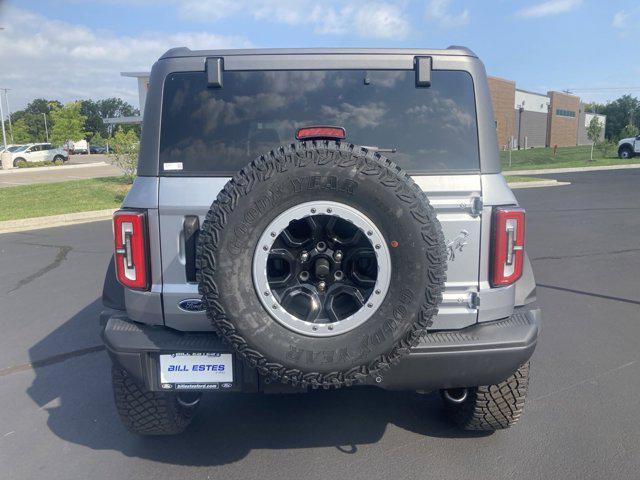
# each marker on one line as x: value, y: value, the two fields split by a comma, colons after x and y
x: 381, y: 149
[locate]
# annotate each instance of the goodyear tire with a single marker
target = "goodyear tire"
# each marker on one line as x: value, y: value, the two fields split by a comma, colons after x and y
x: 321, y: 263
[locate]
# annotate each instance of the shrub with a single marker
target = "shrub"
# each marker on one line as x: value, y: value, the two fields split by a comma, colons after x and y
x: 607, y: 148
x: 126, y: 146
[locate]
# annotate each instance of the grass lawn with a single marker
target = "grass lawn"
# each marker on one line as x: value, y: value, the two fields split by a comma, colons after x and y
x: 535, y: 158
x: 39, y: 200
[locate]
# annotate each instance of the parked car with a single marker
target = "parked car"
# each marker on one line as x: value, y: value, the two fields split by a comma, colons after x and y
x: 629, y: 147
x: 80, y: 147
x: 332, y: 232
x: 97, y: 149
x: 38, y: 152
x: 9, y: 148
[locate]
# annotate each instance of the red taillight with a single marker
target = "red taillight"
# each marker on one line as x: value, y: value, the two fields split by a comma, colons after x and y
x: 507, y: 245
x: 311, y: 133
x: 130, y: 233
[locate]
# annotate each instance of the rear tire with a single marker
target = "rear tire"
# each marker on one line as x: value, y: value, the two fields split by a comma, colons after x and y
x: 16, y: 161
x: 490, y: 407
x: 150, y: 413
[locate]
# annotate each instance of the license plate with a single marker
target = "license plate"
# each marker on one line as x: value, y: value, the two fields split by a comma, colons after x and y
x: 196, y: 371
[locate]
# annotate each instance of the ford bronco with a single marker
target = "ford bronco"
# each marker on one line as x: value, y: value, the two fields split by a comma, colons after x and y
x: 328, y: 218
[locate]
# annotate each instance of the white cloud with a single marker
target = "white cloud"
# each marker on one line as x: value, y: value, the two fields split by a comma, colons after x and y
x: 381, y: 21
x: 209, y: 10
x: 47, y: 58
x: 331, y: 17
x: 438, y: 11
x: 550, y: 7
x: 620, y: 20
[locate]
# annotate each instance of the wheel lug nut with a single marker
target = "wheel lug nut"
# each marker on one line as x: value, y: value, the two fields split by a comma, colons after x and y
x: 321, y: 286
x: 338, y: 275
x: 304, y: 256
x: 338, y: 256
x: 321, y: 246
x: 304, y: 275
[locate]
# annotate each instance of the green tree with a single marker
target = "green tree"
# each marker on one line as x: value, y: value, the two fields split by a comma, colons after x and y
x: 68, y: 124
x: 94, y: 124
x: 32, y: 116
x: 620, y: 113
x: 629, y: 131
x: 98, y: 140
x: 593, y: 132
x: 21, y: 132
x: 115, y: 108
x: 125, y: 147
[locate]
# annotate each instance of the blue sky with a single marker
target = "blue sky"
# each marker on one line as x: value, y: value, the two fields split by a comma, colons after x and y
x: 76, y: 49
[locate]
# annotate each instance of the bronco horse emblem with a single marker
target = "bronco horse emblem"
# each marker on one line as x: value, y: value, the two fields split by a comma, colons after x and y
x: 457, y: 244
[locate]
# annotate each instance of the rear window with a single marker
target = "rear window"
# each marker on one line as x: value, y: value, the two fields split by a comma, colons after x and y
x: 216, y: 131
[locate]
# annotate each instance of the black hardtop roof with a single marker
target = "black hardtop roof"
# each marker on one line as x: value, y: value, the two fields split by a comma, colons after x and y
x: 452, y: 50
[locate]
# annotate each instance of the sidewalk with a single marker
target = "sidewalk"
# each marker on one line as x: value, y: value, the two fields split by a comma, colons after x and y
x: 569, y: 169
x: 26, y: 224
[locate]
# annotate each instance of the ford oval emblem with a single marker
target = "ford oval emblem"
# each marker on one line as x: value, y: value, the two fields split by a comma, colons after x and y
x: 191, y: 305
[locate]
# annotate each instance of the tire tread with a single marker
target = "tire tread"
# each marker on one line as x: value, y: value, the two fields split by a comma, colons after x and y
x: 299, y: 155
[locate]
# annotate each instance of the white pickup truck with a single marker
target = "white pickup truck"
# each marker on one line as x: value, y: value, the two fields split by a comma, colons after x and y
x: 629, y: 147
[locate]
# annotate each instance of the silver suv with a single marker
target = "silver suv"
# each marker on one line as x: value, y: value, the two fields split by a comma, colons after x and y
x: 311, y: 219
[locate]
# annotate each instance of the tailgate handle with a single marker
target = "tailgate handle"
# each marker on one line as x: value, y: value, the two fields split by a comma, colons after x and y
x: 190, y: 229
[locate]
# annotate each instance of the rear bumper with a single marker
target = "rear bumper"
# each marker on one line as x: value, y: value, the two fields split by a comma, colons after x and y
x: 482, y: 354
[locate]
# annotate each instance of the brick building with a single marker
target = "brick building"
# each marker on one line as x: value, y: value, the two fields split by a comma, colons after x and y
x: 527, y: 119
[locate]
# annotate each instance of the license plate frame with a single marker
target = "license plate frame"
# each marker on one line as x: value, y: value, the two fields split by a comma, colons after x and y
x: 195, y: 371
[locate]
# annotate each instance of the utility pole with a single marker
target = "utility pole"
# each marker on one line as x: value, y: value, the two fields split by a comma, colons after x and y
x: 6, y: 99
x: 4, y: 134
x: 46, y: 130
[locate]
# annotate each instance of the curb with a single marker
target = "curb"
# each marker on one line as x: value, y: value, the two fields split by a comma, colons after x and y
x: 541, y: 183
x: 541, y: 171
x: 25, y: 224
x: 58, y: 167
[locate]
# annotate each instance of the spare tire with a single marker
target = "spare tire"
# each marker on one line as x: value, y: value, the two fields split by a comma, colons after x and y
x: 321, y: 263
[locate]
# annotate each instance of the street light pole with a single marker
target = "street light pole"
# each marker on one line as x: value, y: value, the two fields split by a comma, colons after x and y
x: 4, y: 134
x: 6, y: 99
x: 46, y: 130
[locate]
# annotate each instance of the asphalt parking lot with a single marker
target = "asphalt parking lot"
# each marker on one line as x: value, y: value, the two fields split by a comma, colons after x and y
x: 582, y: 418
